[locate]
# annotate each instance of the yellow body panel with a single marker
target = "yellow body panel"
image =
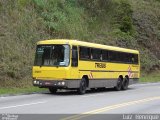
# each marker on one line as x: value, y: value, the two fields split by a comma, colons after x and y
x: 112, y: 70
x: 50, y: 73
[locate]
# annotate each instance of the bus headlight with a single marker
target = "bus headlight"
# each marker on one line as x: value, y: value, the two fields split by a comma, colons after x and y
x: 63, y: 83
x: 59, y: 83
x: 38, y: 82
x: 34, y: 81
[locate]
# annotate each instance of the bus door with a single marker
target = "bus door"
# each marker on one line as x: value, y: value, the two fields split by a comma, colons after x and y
x: 74, y: 62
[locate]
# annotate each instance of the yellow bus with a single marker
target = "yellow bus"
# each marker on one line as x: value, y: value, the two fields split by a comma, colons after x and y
x: 73, y: 64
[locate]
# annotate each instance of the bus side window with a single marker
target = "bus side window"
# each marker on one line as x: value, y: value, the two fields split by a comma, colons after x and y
x: 84, y: 53
x: 104, y: 55
x: 95, y: 54
x: 135, y: 56
x: 74, y: 56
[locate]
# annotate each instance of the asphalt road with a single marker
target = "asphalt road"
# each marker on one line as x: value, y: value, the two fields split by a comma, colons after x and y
x: 139, y: 98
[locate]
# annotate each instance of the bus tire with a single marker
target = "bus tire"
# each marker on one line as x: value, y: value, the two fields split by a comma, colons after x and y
x: 125, y: 83
x: 52, y: 90
x: 82, y: 87
x: 118, y: 86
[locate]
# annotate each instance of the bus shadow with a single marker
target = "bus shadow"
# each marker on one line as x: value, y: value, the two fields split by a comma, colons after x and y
x: 88, y: 92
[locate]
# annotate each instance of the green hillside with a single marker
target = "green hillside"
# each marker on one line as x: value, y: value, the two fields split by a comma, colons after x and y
x: 126, y: 23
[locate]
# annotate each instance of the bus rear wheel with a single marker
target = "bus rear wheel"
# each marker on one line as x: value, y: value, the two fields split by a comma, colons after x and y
x: 52, y: 90
x: 82, y: 87
x: 125, y: 83
x: 118, y: 86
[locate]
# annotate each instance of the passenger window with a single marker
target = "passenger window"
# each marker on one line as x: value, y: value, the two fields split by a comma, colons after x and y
x: 84, y: 53
x: 112, y: 56
x: 135, y: 59
x: 95, y: 54
x: 104, y: 55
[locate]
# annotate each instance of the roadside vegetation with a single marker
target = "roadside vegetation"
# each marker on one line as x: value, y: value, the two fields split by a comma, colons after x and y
x: 150, y: 77
x: 126, y: 23
x: 13, y: 91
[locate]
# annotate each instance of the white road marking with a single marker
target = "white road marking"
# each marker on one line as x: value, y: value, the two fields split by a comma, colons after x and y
x: 14, y: 106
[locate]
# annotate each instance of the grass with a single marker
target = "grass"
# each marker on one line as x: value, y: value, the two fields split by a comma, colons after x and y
x: 152, y: 77
x: 13, y: 91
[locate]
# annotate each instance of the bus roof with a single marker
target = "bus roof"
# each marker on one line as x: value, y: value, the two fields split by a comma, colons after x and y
x: 87, y: 44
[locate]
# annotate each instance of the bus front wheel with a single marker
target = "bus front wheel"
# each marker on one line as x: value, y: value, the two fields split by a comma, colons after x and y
x: 82, y: 87
x: 52, y: 90
x: 119, y: 84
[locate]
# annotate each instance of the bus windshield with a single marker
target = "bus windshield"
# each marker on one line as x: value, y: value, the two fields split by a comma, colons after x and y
x: 52, y: 55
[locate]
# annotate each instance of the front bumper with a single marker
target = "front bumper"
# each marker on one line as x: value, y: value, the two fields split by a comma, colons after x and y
x: 57, y: 83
